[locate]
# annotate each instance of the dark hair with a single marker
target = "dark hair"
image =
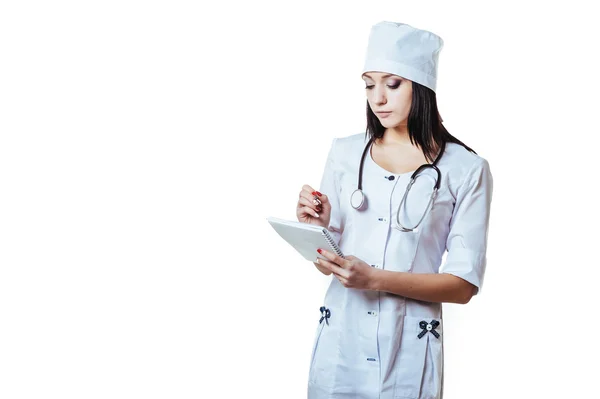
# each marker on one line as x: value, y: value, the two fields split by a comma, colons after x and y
x: 424, y: 123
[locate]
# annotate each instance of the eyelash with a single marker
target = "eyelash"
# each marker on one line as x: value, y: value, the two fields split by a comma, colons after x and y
x: 391, y: 87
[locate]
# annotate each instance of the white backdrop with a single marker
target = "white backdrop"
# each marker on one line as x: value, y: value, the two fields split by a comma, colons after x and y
x: 143, y: 144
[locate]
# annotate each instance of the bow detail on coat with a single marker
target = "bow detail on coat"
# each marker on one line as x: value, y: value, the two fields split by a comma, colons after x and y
x: 325, y: 314
x: 429, y: 327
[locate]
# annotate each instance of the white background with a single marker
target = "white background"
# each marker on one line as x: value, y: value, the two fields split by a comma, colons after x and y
x: 143, y: 144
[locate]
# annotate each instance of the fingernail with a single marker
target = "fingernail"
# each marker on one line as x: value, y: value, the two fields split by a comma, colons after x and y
x: 319, y: 250
x: 314, y: 193
x: 319, y: 194
x: 316, y: 214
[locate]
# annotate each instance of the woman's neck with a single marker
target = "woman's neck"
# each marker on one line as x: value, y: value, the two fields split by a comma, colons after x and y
x: 395, y: 136
x: 398, y: 136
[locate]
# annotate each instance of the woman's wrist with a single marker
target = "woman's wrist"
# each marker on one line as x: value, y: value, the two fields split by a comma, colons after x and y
x: 375, y: 279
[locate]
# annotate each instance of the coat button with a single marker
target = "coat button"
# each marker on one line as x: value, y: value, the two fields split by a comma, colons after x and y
x: 429, y: 327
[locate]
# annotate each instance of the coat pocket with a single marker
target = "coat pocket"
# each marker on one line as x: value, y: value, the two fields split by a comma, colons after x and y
x: 325, y: 355
x: 419, y: 362
x: 314, y: 350
x: 431, y: 385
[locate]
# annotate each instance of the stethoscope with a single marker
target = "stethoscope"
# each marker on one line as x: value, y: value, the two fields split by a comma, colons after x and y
x: 358, y: 199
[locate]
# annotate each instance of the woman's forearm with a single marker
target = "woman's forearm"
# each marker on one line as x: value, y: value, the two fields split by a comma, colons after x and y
x: 430, y: 287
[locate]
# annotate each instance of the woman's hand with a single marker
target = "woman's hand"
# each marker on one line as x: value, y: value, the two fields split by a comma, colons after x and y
x: 352, y: 271
x: 312, y: 203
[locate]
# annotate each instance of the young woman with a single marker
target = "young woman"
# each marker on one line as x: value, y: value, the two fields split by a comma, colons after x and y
x: 380, y: 331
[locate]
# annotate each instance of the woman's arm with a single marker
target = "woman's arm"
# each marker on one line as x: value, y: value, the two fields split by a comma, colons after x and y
x: 353, y: 272
x: 461, y: 276
x: 431, y: 287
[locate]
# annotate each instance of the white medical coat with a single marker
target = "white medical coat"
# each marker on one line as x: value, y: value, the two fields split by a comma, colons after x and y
x: 369, y: 346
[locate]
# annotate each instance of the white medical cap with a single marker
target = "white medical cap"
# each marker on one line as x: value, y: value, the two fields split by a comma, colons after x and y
x: 405, y: 51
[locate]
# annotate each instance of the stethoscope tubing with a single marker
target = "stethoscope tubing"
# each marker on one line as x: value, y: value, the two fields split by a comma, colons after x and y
x: 358, y: 199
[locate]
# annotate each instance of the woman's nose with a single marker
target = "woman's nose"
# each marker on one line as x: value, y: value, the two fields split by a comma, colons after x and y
x: 379, y: 95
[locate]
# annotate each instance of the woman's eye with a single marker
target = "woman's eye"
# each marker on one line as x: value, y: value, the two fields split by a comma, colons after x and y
x: 394, y: 86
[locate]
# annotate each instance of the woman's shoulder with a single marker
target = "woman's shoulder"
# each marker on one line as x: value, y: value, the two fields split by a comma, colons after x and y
x: 352, y: 141
x: 459, y: 159
x: 463, y: 166
x: 348, y: 147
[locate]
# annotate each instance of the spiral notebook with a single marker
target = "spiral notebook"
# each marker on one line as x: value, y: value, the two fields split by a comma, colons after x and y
x: 305, y: 238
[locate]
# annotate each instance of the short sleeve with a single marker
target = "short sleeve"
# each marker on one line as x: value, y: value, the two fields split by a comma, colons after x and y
x: 467, y: 238
x: 330, y: 186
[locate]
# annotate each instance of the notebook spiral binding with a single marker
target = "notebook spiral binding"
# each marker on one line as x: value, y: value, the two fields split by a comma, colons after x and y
x: 332, y: 243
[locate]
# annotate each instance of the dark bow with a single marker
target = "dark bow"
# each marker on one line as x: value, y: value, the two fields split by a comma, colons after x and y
x: 325, y: 314
x: 429, y: 327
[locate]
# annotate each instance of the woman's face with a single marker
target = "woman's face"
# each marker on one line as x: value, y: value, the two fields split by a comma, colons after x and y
x: 389, y: 96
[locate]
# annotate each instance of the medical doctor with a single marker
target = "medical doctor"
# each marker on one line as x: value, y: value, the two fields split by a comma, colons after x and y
x: 395, y: 198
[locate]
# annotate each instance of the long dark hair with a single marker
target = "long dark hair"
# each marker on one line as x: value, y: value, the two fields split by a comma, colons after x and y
x: 424, y: 123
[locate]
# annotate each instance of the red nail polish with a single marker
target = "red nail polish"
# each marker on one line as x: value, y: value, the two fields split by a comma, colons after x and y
x: 319, y: 194
x: 314, y: 193
x: 319, y: 250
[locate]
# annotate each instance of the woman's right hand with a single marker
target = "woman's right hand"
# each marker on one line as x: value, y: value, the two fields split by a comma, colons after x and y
x: 308, y: 207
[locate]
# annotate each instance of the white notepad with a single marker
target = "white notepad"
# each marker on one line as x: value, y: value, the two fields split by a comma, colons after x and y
x: 305, y: 238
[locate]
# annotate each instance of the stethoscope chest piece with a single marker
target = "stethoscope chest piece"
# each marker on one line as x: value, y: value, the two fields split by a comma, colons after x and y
x: 358, y: 200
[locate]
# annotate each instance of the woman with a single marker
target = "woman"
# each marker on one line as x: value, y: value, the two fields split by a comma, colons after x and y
x: 380, y: 331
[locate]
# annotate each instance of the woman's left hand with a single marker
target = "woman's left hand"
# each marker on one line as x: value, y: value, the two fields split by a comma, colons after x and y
x: 352, y: 271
